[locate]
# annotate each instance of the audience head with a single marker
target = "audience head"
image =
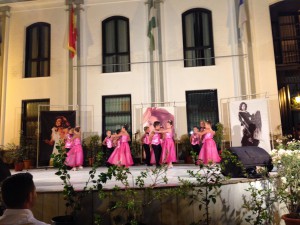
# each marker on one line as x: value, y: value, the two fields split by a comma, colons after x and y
x: 18, y: 191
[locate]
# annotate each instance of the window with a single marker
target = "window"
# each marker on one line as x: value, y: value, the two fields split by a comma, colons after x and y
x: 30, y: 115
x: 37, y: 61
x: 201, y: 105
x: 29, y: 120
x: 115, y: 45
x: 197, y: 32
x: 286, y: 34
x: 116, y: 112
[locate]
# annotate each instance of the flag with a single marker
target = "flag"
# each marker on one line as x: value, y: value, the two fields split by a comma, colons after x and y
x: 0, y: 36
x: 242, y: 20
x: 152, y: 24
x: 72, y: 33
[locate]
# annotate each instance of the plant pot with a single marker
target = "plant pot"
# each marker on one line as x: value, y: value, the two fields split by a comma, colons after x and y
x: 91, y: 161
x: 19, y: 166
x: 289, y: 220
x: 62, y: 220
x: 139, y: 223
x: 27, y: 164
x: 189, y: 159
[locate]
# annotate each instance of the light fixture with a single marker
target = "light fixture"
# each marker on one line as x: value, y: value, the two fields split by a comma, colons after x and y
x: 297, y: 98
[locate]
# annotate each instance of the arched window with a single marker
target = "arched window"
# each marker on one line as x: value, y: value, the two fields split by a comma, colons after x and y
x: 115, y: 44
x: 37, y: 58
x: 198, y: 48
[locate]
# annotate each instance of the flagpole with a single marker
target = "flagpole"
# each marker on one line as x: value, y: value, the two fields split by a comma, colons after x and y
x: 155, y: 51
x: 78, y: 57
x: 151, y: 53
x: 70, y: 64
x: 160, y: 58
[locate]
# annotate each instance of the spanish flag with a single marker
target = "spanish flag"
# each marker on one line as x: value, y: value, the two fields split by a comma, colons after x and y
x: 72, y: 33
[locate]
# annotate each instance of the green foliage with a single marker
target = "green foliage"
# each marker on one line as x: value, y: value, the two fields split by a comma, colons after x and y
x: 13, y: 153
x: 219, y: 135
x: 231, y: 166
x: 72, y: 197
x: 288, y: 182
x: 17, y: 153
x: 92, y: 145
x: 136, y: 148
x: 287, y: 143
x: 205, y: 189
x: 260, y: 203
x: 185, y: 145
x: 28, y: 146
x: 127, y: 197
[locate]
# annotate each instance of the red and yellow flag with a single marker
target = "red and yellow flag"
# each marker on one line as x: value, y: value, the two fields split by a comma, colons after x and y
x: 72, y: 33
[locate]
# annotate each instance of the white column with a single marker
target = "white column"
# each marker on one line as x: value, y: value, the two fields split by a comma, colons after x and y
x: 5, y: 12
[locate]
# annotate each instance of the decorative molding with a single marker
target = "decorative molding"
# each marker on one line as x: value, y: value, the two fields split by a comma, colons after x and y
x: 4, y: 9
x: 13, y: 1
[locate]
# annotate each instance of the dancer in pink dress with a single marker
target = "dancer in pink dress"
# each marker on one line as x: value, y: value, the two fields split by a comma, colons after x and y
x: 69, y: 139
x: 108, y: 145
x: 209, y: 151
x: 168, y: 154
x: 75, y: 155
x: 195, y: 140
x: 155, y: 144
x: 121, y: 156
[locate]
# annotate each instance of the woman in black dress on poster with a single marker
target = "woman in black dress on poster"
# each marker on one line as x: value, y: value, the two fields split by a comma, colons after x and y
x: 249, y: 126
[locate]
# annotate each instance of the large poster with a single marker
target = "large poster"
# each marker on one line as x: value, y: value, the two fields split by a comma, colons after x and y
x: 161, y: 114
x: 250, y: 123
x: 53, y: 126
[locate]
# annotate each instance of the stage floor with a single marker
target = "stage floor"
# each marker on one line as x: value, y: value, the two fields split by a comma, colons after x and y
x: 46, y: 180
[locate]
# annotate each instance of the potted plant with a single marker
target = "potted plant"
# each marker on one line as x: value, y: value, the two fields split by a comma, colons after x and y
x: 28, y: 144
x: 92, y: 146
x: 186, y: 149
x: 286, y: 157
x: 136, y: 152
x: 219, y: 136
x: 72, y: 197
x: 14, y: 154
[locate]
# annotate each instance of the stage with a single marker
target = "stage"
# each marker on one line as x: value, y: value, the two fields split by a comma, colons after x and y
x: 46, y: 181
x: 175, y: 210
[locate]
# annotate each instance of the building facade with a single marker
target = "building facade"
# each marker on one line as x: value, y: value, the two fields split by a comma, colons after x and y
x: 199, y: 63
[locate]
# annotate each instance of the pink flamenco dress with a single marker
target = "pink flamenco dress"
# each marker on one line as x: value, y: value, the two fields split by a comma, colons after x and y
x: 168, y: 153
x: 75, y: 155
x: 209, y: 151
x: 121, y: 156
x: 69, y: 142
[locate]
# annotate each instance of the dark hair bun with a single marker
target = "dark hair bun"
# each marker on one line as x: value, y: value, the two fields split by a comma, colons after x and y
x: 126, y: 126
x: 208, y: 122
